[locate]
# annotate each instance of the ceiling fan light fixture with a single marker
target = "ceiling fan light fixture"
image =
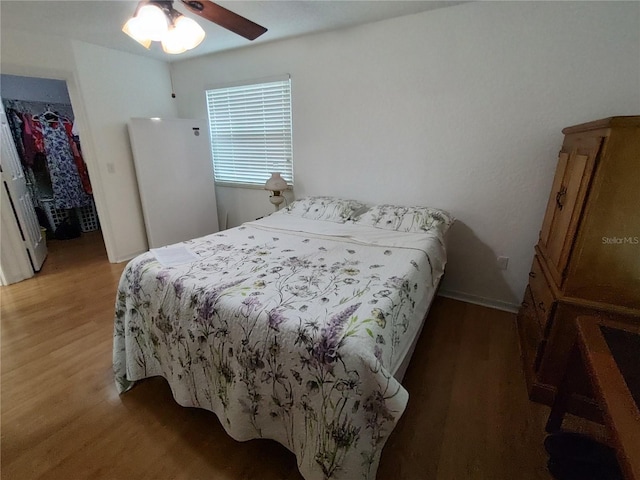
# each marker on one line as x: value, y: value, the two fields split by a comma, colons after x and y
x: 172, y: 48
x: 153, y: 22
x: 183, y: 35
x: 190, y: 31
x: 157, y: 20
x: 135, y: 31
x: 172, y: 44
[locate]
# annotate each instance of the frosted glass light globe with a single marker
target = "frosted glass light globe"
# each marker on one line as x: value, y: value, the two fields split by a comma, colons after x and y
x: 151, y: 23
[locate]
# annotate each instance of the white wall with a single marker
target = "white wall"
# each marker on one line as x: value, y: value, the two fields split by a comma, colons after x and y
x: 115, y: 87
x: 107, y: 87
x: 459, y: 108
x: 35, y: 55
x: 34, y: 89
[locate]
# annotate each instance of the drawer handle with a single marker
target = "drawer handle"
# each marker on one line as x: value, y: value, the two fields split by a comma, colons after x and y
x: 541, y: 306
x: 525, y: 304
x: 532, y: 274
x: 559, y: 196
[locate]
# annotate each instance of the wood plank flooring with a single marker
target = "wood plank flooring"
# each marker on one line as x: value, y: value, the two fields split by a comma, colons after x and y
x: 468, y: 415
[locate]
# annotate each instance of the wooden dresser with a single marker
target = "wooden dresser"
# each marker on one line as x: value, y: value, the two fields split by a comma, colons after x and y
x: 587, y: 260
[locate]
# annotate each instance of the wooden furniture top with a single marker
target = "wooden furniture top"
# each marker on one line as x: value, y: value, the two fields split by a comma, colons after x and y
x: 628, y: 121
x: 602, y: 352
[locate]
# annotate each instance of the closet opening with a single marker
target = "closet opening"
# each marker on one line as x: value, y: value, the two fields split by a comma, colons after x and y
x: 57, y: 189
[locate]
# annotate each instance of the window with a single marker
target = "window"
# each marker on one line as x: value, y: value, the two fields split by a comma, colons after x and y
x: 251, y: 132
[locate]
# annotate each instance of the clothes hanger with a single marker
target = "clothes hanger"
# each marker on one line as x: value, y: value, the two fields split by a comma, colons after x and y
x: 50, y: 116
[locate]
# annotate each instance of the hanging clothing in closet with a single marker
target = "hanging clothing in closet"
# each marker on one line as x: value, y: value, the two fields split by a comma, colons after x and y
x: 50, y: 153
x: 68, y: 191
x: 16, y: 125
x: 33, y: 143
x: 74, y: 143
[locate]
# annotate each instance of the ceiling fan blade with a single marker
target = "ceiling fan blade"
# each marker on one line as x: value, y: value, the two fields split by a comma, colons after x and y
x: 225, y: 18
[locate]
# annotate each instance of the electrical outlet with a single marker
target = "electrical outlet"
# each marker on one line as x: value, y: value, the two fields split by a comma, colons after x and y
x: 503, y: 262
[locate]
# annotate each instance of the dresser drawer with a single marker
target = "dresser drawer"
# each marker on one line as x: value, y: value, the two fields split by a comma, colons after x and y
x: 531, y: 339
x: 543, y: 298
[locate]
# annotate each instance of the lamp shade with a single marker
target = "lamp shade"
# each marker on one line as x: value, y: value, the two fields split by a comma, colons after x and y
x: 134, y: 29
x: 183, y: 35
x: 276, y: 183
x: 152, y: 23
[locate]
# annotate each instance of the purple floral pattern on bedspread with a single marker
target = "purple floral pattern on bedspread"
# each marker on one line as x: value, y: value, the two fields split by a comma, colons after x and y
x: 283, y: 336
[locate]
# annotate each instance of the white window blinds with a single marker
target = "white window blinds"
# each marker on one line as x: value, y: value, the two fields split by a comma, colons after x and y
x: 251, y: 132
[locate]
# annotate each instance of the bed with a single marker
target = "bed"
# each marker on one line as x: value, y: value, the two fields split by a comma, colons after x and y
x: 297, y: 327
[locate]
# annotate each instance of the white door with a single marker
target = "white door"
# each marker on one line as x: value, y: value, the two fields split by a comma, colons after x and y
x: 21, y: 202
x: 172, y: 158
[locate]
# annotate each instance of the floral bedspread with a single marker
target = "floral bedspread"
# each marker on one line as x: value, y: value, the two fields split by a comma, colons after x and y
x: 284, y: 335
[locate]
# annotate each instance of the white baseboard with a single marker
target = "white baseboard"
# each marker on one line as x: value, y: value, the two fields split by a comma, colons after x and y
x: 128, y: 257
x: 477, y: 300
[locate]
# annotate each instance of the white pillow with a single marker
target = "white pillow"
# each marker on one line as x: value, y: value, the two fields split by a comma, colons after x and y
x: 330, y: 209
x: 406, y: 219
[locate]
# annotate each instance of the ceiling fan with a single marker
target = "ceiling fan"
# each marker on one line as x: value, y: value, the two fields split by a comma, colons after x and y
x: 225, y: 18
x: 158, y: 20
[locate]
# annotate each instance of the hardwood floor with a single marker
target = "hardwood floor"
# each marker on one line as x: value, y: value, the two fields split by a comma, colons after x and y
x: 468, y: 415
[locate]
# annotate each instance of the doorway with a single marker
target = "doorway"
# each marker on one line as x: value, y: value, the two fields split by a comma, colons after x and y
x: 42, y: 124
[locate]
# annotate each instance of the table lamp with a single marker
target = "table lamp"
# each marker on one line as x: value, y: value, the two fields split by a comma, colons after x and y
x: 276, y: 184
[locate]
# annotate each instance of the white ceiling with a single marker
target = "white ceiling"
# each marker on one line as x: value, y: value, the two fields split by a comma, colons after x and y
x: 100, y: 21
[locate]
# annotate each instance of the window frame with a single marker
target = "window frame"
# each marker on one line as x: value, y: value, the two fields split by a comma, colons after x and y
x: 277, y: 122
